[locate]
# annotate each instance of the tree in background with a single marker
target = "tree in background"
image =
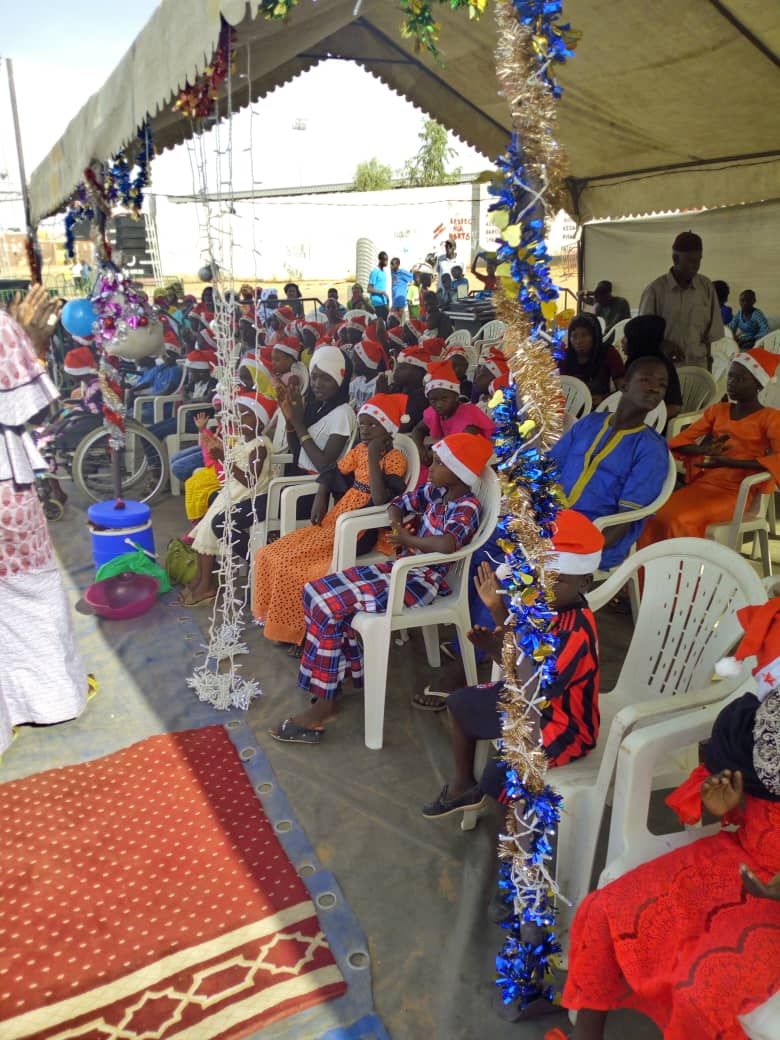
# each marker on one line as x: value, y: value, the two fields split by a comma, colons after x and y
x: 372, y: 175
x: 429, y: 166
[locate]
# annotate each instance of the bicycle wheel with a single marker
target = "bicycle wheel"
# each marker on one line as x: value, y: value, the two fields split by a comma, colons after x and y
x: 143, y: 465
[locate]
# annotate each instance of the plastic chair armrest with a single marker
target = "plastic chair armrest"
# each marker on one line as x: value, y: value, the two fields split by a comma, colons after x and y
x: 348, y: 528
x: 670, y: 704
x: 289, y: 502
x: 395, y: 598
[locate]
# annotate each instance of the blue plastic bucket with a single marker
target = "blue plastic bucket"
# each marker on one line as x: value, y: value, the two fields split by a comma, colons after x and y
x: 113, y: 529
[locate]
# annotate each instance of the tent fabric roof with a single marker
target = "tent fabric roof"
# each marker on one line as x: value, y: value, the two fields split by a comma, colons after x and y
x: 665, y: 106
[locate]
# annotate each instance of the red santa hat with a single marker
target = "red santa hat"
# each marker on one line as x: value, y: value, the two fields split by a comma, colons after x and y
x: 396, y: 336
x: 760, y: 363
x: 288, y: 345
x: 371, y: 330
x: 456, y: 350
x: 80, y: 362
x: 358, y: 319
x: 172, y: 340
x: 387, y: 409
x: 577, y: 542
x: 500, y: 383
x: 208, y: 337
x: 441, y: 376
x: 284, y: 314
x: 414, y: 356
x: 371, y: 353
x: 494, y: 361
x: 433, y: 345
x: 762, y: 641
x: 315, y: 328
x: 205, y: 359
x: 263, y: 407
x: 416, y: 326
x: 465, y: 455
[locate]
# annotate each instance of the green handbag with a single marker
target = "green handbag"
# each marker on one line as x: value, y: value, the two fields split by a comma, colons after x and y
x: 181, y: 562
x: 139, y: 563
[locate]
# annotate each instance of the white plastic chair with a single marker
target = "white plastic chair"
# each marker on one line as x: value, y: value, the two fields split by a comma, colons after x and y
x: 159, y: 401
x: 763, y: 1022
x: 615, y: 334
x: 460, y: 338
x: 258, y: 535
x: 699, y: 389
x: 631, y: 842
x: 343, y: 552
x: 491, y: 332
x: 358, y: 313
x: 375, y: 630
x: 770, y: 342
x: 578, y: 397
x: 685, y: 622
x: 749, y: 517
x: 681, y: 422
x: 656, y: 418
x: 176, y: 441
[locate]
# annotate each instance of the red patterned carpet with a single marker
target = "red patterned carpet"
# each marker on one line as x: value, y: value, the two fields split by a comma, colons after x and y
x: 145, y: 894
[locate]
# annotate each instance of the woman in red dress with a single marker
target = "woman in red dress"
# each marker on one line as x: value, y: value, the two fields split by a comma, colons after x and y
x: 692, y: 939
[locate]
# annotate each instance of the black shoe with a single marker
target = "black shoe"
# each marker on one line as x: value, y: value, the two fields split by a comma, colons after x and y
x: 471, y: 801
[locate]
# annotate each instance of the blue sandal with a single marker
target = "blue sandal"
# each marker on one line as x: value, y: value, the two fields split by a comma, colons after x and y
x: 291, y: 733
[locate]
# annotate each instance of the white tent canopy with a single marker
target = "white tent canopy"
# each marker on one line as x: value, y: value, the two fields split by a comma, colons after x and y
x: 665, y: 105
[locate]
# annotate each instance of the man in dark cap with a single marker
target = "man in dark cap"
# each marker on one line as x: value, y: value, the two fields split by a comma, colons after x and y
x: 611, y: 308
x: 688, y: 303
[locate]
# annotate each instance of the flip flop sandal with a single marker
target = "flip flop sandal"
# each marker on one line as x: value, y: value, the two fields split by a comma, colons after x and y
x: 92, y: 686
x: 428, y: 692
x: 291, y: 733
x: 448, y: 651
x: 472, y: 800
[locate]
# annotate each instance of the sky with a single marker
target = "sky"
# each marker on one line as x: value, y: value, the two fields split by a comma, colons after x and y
x: 63, y: 50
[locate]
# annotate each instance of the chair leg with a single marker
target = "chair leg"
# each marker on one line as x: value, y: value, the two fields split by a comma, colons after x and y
x: 431, y: 640
x: 766, y: 559
x: 375, y: 656
x: 467, y: 655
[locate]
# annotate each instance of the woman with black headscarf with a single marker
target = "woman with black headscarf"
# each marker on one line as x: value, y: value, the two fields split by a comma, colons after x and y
x: 643, y: 338
x: 587, y: 358
x: 692, y: 939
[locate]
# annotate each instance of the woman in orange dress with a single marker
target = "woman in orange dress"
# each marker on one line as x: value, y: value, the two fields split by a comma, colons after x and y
x: 731, y: 440
x: 282, y: 568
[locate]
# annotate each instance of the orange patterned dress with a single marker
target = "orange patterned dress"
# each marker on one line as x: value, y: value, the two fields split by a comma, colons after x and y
x: 285, y: 566
x: 711, y: 495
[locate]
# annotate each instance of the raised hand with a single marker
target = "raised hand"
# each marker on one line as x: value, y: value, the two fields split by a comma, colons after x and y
x: 201, y: 420
x: 35, y: 313
x: 722, y: 793
x: 488, y: 587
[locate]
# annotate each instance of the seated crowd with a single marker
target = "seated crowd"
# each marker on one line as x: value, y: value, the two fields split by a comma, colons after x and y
x: 334, y: 394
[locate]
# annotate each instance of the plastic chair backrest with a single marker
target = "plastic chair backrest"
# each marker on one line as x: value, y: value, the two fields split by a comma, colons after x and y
x: 770, y: 342
x: 491, y: 331
x: 686, y: 620
x: 699, y: 389
x: 578, y: 399
x: 460, y: 337
x: 615, y: 334
x: 409, y: 450
x: 357, y: 313
x: 656, y: 419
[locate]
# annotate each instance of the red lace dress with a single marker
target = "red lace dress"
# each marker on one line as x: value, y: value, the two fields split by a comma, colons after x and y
x: 679, y: 939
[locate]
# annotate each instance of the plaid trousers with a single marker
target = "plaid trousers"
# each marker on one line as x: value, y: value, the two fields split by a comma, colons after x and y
x: 329, y: 605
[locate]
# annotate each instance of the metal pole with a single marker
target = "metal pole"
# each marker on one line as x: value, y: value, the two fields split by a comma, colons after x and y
x: 18, y: 134
x: 31, y: 233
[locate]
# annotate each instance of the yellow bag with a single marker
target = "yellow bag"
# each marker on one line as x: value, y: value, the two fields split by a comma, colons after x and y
x: 197, y: 491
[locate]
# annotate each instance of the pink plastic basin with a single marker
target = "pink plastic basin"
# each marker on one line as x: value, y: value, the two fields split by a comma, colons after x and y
x: 124, y: 596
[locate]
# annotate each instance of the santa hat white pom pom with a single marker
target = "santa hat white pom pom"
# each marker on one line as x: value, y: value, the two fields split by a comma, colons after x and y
x: 404, y: 419
x: 728, y: 667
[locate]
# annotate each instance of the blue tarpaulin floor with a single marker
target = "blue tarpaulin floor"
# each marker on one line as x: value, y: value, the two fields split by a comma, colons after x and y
x: 412, y: 893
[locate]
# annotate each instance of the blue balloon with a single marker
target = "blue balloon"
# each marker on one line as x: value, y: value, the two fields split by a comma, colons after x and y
x: 78, y: 317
